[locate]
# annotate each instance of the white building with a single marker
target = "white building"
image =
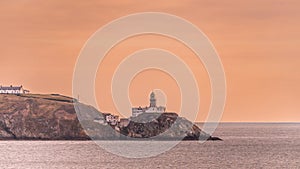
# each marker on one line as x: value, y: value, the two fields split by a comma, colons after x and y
x: 151, y: 109
x: 12, y: 90
x: 111, y: 119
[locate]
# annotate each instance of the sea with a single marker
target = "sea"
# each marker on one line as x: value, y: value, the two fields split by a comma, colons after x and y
x: 244, y: 145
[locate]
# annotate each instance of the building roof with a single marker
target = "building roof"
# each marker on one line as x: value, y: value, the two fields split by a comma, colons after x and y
x: 10, y: 87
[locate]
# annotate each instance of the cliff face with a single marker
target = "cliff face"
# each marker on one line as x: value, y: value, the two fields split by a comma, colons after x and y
x: 53, y: 117
x: 163, y: 126
x: 38, y: 117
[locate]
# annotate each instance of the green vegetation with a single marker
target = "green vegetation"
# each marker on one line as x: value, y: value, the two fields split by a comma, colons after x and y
x: 54, y: 97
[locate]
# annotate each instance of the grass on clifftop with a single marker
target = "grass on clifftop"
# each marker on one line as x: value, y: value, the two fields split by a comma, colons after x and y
x: 54, y: 97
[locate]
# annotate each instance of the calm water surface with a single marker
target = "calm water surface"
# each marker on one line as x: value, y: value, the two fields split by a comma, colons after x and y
x: 246, y: 145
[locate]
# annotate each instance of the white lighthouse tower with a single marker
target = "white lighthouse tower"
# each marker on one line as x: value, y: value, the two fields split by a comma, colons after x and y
x: 152, y: 100
x: 151, y: 109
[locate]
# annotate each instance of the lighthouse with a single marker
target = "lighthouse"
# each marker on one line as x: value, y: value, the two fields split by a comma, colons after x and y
x: 152, y: 100
x: 153, y: 108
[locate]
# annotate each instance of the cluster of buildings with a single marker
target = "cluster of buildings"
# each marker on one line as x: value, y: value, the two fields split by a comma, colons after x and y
x: 112, y: 120
x: 13, y: 90
x: 108, y: 119
x: 151, y: 109
x: 115, y: 121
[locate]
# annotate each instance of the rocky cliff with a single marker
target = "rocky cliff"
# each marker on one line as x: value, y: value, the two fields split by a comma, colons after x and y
x: 38, y: 117
x: 53, y: 117
x: 164, y: 126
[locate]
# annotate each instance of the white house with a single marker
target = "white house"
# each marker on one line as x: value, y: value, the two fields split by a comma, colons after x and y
x: 111, y: 119
x: 151, y: 109
x: 12, y: 89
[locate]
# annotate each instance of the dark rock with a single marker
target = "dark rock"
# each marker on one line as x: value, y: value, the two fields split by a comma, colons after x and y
x: 165, y: 126
x: 215, y: 139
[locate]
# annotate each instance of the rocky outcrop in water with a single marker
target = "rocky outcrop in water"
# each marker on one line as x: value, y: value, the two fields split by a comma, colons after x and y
x: 167, y: 126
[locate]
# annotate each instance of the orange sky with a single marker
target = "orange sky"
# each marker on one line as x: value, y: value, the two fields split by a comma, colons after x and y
x: 257, y: 42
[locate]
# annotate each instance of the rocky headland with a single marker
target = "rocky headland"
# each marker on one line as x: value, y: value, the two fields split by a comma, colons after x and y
x: 53, y: 117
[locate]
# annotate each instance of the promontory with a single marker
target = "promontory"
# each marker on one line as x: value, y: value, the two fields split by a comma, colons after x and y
x: 53, y: 117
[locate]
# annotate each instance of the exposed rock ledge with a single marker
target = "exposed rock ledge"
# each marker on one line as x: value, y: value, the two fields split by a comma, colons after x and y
x: 53, y: 117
